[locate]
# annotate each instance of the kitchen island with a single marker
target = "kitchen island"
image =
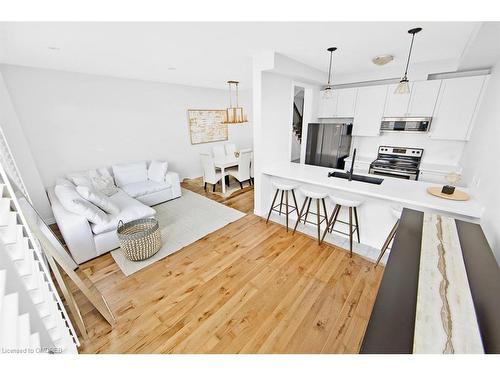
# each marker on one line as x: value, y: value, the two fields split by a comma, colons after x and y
x: 376, y: 218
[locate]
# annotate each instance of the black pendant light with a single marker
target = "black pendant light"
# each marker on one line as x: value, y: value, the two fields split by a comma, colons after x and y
x: 404, y: 85
x: 327, y: 92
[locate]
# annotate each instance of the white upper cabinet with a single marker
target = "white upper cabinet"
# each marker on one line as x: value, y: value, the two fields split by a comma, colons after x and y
x: 423, y: 98
x: 370, y: 102
x: 340, y: 104
x: 328, y: 106
x: 396, y: 105
x: 419, y: 103
x: 346, y: 102
x: 456, y: 108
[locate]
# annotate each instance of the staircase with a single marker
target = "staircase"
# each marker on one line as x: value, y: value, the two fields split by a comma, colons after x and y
x: 32, y: 316
x: 297, y: 123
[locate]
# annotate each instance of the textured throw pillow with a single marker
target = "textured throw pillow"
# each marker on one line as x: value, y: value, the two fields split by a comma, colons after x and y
x: 73, y: 202
x: 104, y: 184
x: 80, y: 178
x: 126, y: 174
x: 99, y: 199
x: 157, y: 170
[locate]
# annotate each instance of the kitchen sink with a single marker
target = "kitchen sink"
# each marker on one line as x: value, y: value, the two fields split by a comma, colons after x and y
x: 357, y: 177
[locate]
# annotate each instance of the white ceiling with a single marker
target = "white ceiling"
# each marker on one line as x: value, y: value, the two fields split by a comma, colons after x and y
x: 209, y: 54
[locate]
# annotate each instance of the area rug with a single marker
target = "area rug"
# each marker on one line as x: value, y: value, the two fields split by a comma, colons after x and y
x: 182, y: 221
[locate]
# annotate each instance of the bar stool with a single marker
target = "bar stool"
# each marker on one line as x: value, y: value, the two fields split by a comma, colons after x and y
x: 396, y: 212
x: 352, y: 203
x: 284, y: 189
x: 318, y: 196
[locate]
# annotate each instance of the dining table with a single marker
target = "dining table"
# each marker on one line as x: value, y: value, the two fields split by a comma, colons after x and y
x: 228, y: 162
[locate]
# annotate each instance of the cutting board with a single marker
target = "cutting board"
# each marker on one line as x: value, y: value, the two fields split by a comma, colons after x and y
x: 458, y: 195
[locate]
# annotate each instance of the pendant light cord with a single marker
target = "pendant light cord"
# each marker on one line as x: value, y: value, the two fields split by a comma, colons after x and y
x: 330, y: 68
x: 409, y: 54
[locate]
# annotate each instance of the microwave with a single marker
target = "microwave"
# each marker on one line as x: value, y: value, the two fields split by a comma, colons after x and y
x: 405, y: 124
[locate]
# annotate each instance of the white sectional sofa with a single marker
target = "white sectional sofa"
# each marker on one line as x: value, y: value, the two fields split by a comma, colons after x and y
x: 138, y: 186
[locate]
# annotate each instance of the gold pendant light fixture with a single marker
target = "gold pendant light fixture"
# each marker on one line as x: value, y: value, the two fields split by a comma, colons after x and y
x: 328, y: 91
x: 234, y: 114
x: 404, y: 85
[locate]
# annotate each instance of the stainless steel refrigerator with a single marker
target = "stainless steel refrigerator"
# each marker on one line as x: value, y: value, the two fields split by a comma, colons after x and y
x: 328, y: 144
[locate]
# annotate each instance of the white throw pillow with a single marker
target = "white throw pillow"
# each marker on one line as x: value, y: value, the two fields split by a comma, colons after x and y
x: 99, y: 199
x: 73, y: 202
x: 130, y: 173
x: 157, y: 170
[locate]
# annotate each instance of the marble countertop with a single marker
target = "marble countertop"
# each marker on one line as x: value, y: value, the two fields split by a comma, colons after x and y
x: 408, y: 193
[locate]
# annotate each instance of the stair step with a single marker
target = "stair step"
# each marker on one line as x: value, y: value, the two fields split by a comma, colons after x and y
x: 25, y: 266
x: 9, y: 231
x: 4, y: 210
x: 17, y: 250
x: 36, y: 296
x: 55, y: 333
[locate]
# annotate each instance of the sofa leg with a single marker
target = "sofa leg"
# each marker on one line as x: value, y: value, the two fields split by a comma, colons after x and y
x: 241, y: 185
x: 205, y: 186
x: 213, y: 188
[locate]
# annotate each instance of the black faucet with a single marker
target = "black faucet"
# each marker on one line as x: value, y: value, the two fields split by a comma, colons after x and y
x: 351, y: 172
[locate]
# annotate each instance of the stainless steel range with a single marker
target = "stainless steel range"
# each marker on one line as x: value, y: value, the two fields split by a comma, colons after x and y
x: 399, y: 162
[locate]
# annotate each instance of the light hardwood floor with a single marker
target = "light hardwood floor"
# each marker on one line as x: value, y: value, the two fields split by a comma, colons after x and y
x: 246, y: 288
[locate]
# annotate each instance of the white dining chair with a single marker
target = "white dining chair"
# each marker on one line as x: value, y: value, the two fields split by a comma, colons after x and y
x: 230, y: 149
x: 210, y: 175
x: 219, y: 152
x: 242, y: 173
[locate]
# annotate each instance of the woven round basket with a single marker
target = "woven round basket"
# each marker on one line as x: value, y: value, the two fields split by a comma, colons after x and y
x: 139, y: 239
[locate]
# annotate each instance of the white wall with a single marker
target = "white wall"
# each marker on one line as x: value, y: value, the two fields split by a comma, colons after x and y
x: 435, y: 151
x: 21, y: 152
x: 481, y: 161
x: 76, y: 121
x: 273, y: 93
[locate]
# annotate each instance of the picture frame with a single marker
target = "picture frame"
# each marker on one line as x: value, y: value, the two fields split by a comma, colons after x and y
x: 207, y: 126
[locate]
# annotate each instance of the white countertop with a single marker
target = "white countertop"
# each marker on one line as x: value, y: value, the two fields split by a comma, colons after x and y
x: 411, y: 193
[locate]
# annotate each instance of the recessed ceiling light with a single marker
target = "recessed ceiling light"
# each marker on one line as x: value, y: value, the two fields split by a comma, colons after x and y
x: 382, y: 59
x: 52, y: 48
x: 172, y: 68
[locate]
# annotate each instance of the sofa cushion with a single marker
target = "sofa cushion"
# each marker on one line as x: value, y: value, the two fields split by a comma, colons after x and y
x: 73, y: 202
x: 64, y: 182
x: 98, y: 198
x: 126, y: 174
x: 130, y: 209
x: 157, y: 170
x: 145, y: 187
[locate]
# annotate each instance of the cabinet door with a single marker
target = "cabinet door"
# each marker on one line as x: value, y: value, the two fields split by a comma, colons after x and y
x: 423, y: 98
x: 369, y: 110
x: 456, y: 106
x: 396, y: 105
x: 346, y: 102
x: 328, y: 106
